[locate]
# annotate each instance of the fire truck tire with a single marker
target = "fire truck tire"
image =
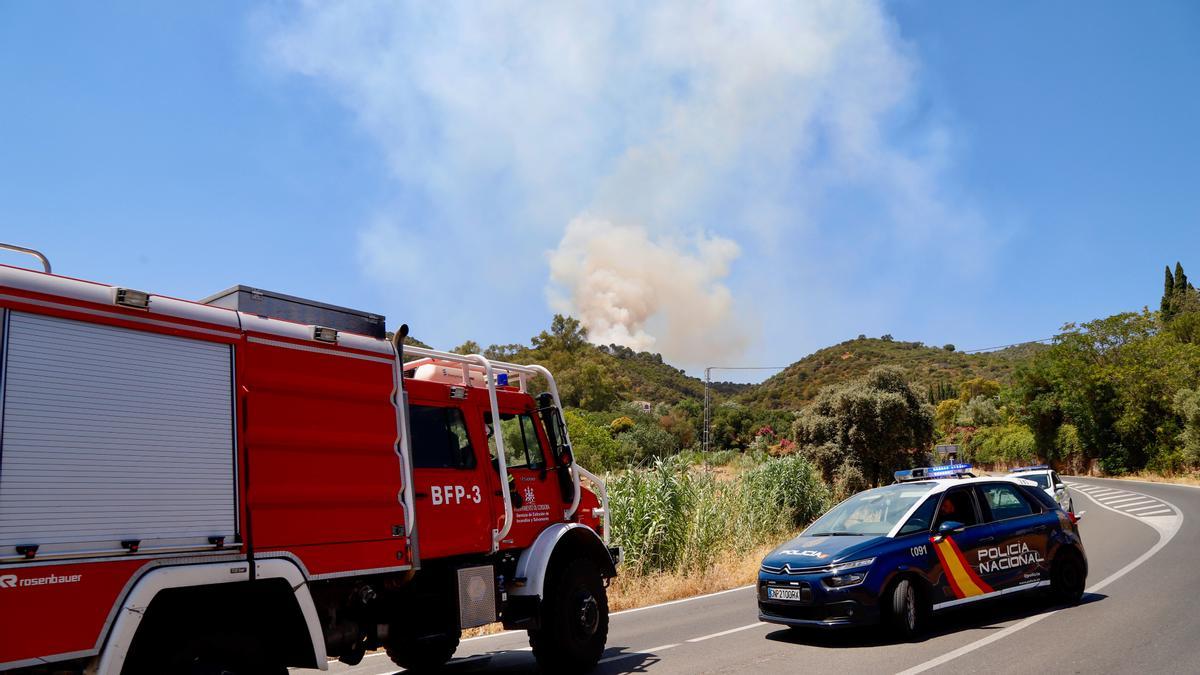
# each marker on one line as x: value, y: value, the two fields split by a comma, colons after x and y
x: 423, y: 654
x: 574, y: 621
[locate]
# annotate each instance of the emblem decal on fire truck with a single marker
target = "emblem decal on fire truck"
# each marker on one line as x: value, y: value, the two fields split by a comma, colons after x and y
x: 8, y: 581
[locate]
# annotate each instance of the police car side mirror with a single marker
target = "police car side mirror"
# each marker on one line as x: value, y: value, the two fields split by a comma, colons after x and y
x: 1059, y: 486
x: 950, y: 526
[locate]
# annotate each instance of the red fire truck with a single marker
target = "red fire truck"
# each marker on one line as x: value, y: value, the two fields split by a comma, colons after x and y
x: 256, y: 481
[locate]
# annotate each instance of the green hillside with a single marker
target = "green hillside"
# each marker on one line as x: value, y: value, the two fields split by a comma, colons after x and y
x: 926, y: 366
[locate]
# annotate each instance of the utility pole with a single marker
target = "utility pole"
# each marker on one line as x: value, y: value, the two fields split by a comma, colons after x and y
x: 707, y: 411
x: 707, y: 435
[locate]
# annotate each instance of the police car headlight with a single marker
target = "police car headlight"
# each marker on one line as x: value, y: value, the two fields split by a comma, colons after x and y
x: 852, y: 565
x: 848, y: 573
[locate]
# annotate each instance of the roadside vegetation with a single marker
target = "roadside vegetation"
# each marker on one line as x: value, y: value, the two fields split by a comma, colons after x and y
x: 1113, y: 396
x: 1117, y: 396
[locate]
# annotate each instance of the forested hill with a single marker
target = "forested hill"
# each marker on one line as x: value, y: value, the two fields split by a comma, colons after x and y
x: 596, y: 377
x: 927, y: 367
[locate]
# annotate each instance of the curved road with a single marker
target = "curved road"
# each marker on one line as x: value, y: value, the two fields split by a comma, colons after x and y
x: 1142, y: 541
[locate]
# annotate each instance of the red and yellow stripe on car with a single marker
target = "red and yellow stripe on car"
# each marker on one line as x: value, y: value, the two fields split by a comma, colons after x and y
x: 964, y: 581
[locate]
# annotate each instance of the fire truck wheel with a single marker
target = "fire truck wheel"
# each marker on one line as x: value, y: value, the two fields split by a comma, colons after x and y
x: 423, y: 654
x: 574, y: 621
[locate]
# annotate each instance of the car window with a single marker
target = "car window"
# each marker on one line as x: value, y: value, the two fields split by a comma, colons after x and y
x: 874, y: 511
x: 922, y: 518
x: 521, y: 445
x: 439, y: 438
x: 1054, y: 478
x: 1041, y: 497
x: 1042, y: 479
x: 1005, y: 501
x: 957, y: 506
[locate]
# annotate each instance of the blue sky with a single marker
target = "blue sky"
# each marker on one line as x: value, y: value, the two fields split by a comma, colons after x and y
x: 722, y: 187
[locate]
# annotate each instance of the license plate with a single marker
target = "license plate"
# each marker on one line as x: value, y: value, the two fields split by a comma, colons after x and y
x: 783, y: 594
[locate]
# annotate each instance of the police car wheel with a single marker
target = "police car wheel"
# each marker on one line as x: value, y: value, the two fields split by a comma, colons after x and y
x: 907, y: 611
x: 1067, y: 577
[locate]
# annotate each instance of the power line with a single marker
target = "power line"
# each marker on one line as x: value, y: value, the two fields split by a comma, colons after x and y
x: 708, y: 396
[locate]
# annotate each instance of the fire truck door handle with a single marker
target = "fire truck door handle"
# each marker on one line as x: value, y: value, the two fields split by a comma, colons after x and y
x: 421, y: 495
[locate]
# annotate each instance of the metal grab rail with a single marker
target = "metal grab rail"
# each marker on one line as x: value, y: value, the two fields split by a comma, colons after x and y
x: 29, y: 251
x: 501, y: 455
x: 488, y: 367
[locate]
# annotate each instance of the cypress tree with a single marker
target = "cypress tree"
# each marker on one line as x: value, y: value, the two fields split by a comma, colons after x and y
x: 1168, y: 293
x: 1181, y: 282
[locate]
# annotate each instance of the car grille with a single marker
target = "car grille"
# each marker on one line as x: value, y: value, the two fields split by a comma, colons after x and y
x: 787, y: 568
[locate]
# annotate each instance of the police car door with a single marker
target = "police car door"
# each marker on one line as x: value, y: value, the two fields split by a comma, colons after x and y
x: 1017, y: 556
x: 958, y: 549
x: 451, y: 489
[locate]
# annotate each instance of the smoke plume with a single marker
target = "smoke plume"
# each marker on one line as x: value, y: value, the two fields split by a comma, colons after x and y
x: 649, y: 295
x: 636, y: 143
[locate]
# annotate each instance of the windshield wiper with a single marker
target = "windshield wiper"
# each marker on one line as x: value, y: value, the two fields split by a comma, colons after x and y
x: 833, y: 534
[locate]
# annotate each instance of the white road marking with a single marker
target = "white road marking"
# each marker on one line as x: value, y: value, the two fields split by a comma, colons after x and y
x: 1151, y: 482
x: 1108, y: 493
x: 1126, y: 507
x: 1155, y: 513
x: 1121, y: 500
x: 640, y: 652
x: 702, y: 638
x: 676, y: 602
x: 1155, y: 505
x: 630, y: 611
x: 1167, y: 528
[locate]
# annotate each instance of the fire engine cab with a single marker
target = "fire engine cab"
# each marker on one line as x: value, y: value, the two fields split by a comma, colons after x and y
x: 256, y: 481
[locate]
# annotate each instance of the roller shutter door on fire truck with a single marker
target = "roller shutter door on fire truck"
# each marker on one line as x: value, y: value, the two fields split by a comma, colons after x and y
x: 113, y: 435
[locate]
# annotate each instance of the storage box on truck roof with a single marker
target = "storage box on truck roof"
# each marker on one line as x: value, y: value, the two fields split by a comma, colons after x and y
x: 300, y: 310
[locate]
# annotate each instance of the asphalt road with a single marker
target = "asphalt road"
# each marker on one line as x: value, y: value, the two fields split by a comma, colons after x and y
x: 1138, y: 615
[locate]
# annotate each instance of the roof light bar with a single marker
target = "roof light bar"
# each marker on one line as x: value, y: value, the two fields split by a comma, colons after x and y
x: 928, y: 472
x: 1038, y: 467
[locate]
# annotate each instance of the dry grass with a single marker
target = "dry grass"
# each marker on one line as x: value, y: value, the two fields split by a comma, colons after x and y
x: 730, y: 571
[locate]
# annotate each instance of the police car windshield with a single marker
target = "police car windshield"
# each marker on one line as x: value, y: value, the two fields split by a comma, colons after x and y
x: 874, y: 512
x: 1042, y: 479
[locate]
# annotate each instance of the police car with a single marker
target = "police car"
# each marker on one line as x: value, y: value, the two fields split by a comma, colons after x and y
x: 937, y: 538
x: 1048, y: 480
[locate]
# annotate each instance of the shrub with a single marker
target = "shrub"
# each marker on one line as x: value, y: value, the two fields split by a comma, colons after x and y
x: 1187, y: 406
x: 1008, y: 443
x: 593, y: 444
x: 1068, y: 448
x: 848, y: 481
x: 621, y: 424
x: 981, y: 411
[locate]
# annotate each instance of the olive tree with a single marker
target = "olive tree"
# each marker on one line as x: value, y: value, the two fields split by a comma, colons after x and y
x: 878, y: 422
